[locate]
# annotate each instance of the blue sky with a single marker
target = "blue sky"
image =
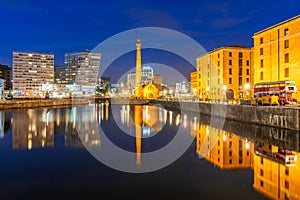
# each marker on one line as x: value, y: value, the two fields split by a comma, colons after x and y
x: 67, y: 26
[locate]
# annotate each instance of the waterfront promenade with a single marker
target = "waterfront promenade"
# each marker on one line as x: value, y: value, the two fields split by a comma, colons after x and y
x: 275, y: 116
x: 18, y: 104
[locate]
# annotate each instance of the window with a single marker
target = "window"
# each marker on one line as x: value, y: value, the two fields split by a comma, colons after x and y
x: 248, y: 71
x: 240, y: 62
x: 247, y: 62
x: 287, y: 171
x: 230, y: 161
x: 261, y: 76
x: 286, y: 44
x: 230, y: 153
x: 286, y: 184
x: 218, y: 72
x: 230, y: 54
x: 218, y: 63
x: 261, y: 51
x: 286, y: 32
x: 261, y: 40
x: 240, y: 71
x: 286, y: 72
x: 218, y: 55
x: 247, y: 80
x: 230, y: 81
x: 261, y: 160
x: 240, y: 81
x: 240, y: 54
x: 230, y: 71
x: 230, y: 144
x: 261, y: 63
x: 261, y: 183
x: 230, y: 62
x: 208, y: 74
x: 261, y: 172
x: 218, y: 152
x: 286, y: 58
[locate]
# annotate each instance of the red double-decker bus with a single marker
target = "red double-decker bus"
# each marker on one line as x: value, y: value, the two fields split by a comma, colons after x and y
x: 282, y: 156
x: 282, y: 89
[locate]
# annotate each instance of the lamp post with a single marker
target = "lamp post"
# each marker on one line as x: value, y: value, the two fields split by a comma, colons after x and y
x: 247, y: 87
x: 194, y: 90
x: 207, y: 93
x: 224, y: 92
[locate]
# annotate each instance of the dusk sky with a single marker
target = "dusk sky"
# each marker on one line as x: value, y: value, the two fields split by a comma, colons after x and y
x: 70, y: 26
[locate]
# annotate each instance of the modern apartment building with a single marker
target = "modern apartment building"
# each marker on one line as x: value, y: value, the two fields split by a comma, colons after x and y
x: 82, y: 69
x: 224, y: 73
x: 31, y: 71
x: 147, y: 73
x: 276, y: 52
x: 5, y: 73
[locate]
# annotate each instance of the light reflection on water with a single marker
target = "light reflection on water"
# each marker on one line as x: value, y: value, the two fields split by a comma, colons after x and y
x: 271, y: 154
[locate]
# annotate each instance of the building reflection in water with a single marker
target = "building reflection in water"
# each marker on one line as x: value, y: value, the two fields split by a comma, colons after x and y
x: 5, y: 123
x: 223, y: 149
x: 32, y: 128
x: 81, y: 128
x: 276, y: 170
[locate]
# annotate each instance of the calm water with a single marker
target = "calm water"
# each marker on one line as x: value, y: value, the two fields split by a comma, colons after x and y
x: 43, y: 156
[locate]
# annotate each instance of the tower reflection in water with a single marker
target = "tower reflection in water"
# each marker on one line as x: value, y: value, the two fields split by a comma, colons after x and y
x: 276, y: 170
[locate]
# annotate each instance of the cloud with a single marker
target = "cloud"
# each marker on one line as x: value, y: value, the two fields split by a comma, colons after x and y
x: 225, y: 23
x: 147, y: 17
x: 24, y: 6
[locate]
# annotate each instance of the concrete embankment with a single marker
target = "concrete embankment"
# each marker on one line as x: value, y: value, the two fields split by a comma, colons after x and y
x: 17, y: 104
x: 275, y: 116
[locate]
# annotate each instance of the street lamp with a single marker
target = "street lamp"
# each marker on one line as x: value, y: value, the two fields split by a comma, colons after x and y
x: 194, y: 90
x: 224, y: 91
x: 247, y: 87
x: 207, y: 92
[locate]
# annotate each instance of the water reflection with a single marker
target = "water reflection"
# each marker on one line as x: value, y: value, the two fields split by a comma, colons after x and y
x: 271, y: 153
x: 32, y: 128
x: 276, y: 169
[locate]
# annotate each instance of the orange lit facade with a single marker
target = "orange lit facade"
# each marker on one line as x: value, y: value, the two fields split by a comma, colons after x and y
x: 224, y: 150
x: 224, y: 73
x: 150, y: 91
x: 194, y: 82
x: 276, y: 53
x: 275, y: 180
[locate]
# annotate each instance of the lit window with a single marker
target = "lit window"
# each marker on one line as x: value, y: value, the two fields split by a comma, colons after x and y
x: 286, y: 32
